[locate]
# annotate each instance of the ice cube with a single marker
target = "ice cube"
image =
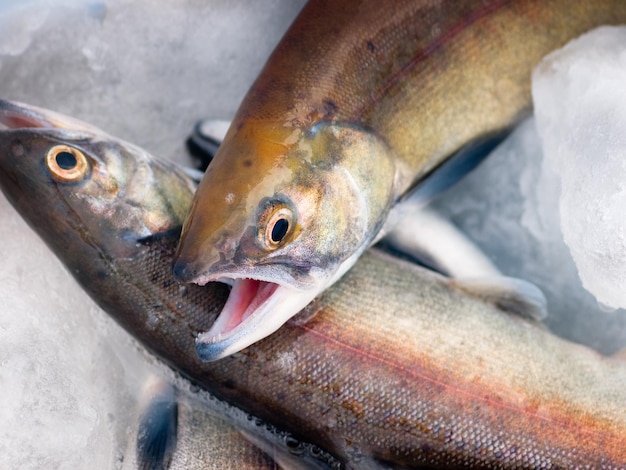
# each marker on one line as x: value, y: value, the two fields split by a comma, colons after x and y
x: 580, y: 107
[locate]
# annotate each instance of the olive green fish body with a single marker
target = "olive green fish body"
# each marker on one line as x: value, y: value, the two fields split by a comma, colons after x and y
x: 398, y: 367
x: 359, y: 102
x: 427, y: 77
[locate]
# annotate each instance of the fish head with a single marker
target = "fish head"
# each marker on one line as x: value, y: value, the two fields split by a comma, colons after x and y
x: 280, y: 214
x: 75, y: 184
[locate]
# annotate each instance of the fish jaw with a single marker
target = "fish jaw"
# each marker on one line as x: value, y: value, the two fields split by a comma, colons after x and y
x: 257, y: 308
x: 17, y: 115
x: 254, y: 310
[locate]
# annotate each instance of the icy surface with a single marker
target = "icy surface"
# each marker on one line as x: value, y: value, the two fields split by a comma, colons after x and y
x: 144, y: 70
x: 581, y: 116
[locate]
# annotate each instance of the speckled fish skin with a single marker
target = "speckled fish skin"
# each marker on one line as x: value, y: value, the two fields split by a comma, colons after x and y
x: 411, y: 83
x: 208, y: 443
x: 398, y: 367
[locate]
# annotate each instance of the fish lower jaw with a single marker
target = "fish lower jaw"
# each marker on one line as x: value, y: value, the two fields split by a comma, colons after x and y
x: 245, y: 297
x: 254, y: 310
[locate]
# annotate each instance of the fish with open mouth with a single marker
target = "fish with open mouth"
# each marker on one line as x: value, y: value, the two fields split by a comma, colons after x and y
x: 359, y: 106
x: 400, y: 368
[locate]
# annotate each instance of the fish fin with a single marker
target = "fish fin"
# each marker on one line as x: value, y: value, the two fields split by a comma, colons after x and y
x: 297, y: 458
x: 435, y: 242
x: 205, y: 139
x: 428, y: 238
x: 195, y: 175
x: 513, y: 295
x: 157, y: 428
x: 148, y: 239
x: 455, y: 168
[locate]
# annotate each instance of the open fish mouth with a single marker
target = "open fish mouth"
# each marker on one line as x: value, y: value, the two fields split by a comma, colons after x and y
x: 245, y: 297
x: 254, y: 310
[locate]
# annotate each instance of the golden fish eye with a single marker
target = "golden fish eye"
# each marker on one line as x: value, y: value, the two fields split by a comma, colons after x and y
x: 276, y: 223
x: 67, y: 164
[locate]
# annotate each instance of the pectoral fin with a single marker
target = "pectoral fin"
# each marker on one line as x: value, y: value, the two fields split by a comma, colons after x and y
x: 157, y: 427
x: 513, y: 295
x: 421, y: 233
x: 205, y: 139
x: 455, y: 168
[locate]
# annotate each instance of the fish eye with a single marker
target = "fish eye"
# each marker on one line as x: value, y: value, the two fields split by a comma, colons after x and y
x: 276, y: 223
x: 67, y: 164
x: 279, y: 230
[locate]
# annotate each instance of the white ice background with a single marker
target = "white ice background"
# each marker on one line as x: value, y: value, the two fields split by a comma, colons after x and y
x: 145, y: 71
x: 580, y: 97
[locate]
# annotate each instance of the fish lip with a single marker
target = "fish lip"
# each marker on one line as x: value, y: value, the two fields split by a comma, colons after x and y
x: 273, y: 312
x: 229, y: 278
x: 16, y: 115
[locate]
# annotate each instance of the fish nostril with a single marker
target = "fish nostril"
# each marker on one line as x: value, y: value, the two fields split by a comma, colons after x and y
x: 17, y: 149
x: 182, y: 272
x: 225, y: 247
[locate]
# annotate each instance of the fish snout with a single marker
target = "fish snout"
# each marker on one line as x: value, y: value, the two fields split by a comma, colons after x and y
x: 195, y: 269
x: 198, y: 257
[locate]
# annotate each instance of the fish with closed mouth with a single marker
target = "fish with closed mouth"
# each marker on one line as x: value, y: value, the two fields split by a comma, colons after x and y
x: 358, y: 106
x: 400, y: 367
